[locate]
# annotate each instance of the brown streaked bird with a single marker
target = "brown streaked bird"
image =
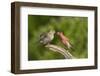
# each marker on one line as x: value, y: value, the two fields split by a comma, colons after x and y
x: 64, y: 40
x: 46, y: 38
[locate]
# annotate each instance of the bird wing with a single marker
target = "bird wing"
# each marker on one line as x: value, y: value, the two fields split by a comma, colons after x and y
x: 42, y: 35
x: 44, y: 38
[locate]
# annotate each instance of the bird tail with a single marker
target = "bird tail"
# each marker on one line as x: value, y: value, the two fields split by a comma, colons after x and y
x: 69, y: 47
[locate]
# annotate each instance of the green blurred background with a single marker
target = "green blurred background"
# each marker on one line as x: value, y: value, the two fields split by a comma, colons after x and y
x: 75, y: 28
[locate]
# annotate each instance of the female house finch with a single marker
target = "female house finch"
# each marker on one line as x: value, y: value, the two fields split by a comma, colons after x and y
x: 46, y: 38
x: 64, y: 40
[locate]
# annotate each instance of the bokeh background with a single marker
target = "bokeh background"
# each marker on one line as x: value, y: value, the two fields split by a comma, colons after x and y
x: 75, y: 28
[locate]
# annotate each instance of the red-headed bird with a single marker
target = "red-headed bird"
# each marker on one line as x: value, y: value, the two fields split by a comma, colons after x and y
x: 64, y: 40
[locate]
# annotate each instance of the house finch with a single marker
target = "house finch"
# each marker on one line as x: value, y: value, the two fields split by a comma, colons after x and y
x: 64, y: 40
x: 46, y: 38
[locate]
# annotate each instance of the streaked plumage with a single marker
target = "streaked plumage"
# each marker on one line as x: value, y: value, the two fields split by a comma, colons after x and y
x: 64, y: 40
x: 46, y: 38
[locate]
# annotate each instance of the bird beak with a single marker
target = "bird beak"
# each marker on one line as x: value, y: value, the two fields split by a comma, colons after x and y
x: 57, y: 33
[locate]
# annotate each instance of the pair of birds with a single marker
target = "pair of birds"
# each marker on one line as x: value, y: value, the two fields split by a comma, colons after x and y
x: 46, y: 38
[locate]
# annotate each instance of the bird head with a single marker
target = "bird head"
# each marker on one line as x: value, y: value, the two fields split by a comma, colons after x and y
x: 59, y: 33
x: 51, y: 32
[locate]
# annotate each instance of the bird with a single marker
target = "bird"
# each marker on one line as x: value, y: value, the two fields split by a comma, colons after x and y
x: 65, y: 40
x: 47, y: 37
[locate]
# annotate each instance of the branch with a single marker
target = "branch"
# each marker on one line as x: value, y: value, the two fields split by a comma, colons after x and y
x: 60, y: 50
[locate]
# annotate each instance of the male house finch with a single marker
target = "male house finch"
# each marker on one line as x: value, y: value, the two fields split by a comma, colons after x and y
x: 64, y: 40
x: 46, y: 38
